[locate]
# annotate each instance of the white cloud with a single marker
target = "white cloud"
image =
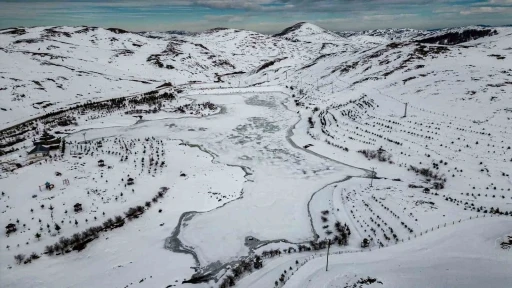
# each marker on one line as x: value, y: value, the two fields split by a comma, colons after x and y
x: 450, y: 9
x: 500, y: 2
x: 233, y: 4
x: 482, y: 10
x: 387, y: 17
x: 224, y: 18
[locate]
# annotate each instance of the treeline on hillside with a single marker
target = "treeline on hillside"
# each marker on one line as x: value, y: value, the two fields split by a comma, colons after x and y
x: 64, y: 117
x: 453, y: 38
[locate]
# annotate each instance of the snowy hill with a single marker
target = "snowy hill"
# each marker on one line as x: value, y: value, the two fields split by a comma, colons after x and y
x: 170, y: 159
x: 389, y: 34
x: 79, y: 56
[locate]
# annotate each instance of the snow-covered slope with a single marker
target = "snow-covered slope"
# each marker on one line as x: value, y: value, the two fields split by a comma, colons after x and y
x: 248, y: 152
x: 459, y: 257
x: 49, y: 68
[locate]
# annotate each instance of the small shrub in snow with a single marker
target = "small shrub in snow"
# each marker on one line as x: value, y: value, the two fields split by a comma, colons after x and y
x: 49, y: 249
x: 19, y: 258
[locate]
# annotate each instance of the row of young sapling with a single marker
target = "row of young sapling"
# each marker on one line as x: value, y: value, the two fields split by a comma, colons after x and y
x: 324, y: 120
x: 465, y: 203
x: 388, y: 125
x: 378, y: 223
x: 79, y: 241
x: 152, y: 163
x: 394, y: 215
x: 341, y: 237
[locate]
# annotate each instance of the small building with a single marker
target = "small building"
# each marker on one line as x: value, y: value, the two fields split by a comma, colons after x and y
x: 10, y: 228
x: 39, y: 151
x: 77, y: 207
x: 48, y: 140
x: 130, y: 181
x: 101, y: 163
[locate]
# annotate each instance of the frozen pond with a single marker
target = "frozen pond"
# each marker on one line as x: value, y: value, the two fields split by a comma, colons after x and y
x: 254, y: 131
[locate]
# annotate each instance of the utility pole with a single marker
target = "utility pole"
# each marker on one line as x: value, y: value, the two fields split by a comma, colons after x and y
x: 405, y: 113
x: 328, y: 246
x: 84, y: 137
x: 373, y: 176
x: 286, y: 74
x: 332, y: 86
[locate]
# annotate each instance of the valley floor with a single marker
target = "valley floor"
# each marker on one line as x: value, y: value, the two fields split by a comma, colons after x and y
x: 248, y: 185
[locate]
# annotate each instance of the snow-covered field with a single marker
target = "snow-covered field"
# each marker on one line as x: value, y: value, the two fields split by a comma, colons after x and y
x: 248, y: 153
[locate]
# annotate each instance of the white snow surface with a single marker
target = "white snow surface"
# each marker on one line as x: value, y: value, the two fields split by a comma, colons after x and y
x: 275, y: 158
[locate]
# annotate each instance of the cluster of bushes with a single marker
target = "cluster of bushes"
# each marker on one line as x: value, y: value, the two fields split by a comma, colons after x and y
x: 244, y: 266
x: 21, y: 258
x: 343, y: 233
x: 429, y: 173
x: 134, y: 212
x: 311, y: 122
x: 438, y: 185
x: 78, y: 241
x: 318, y: 245
x: 362, y: 281
x: 151, y: 98
x: 271, y: 253
x: 497, y: 211
x: 158, y: 195
x: 276, y: 252
x: 298, y: 103
x: 196, y: 107
x: 381, y: 154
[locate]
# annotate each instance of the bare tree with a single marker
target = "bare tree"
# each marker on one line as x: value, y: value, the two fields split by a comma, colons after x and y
x: 19, y: 258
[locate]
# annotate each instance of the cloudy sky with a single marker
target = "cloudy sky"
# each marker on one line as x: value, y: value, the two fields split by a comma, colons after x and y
x: 267, y: 16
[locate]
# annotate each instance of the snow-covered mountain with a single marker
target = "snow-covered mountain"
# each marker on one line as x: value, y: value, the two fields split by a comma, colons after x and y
x: 89, y: 63
x: 229, y: 156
